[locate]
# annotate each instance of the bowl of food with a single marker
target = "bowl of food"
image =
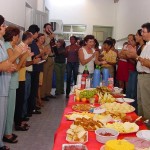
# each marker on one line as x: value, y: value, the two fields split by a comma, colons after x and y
x: 76, y: 134
x: 74, y: 147
x: 105, y: 134
x: 117, y: 90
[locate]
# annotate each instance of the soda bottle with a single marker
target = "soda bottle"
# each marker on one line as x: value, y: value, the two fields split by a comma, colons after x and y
x: 85, y: 72
x: 83, y: 82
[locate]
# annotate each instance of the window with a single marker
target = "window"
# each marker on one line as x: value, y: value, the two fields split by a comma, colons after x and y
x: 76, y: 30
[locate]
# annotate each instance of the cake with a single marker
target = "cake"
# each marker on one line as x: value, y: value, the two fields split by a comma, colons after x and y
x: 118, y: 145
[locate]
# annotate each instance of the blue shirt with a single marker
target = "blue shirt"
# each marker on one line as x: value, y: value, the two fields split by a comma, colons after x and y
x: 14, y: 76
x: 4, y: 77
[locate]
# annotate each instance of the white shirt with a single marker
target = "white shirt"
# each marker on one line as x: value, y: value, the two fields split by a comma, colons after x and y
x: 90, y: 65
x: 29, y: 68
x: 144, y: 54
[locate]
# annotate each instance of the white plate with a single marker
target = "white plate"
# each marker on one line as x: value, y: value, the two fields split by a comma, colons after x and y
x: 98, y: 110
x: 102, y: 148
x: 77, y: 142
x: 144, y: 134
x: 127, y: 100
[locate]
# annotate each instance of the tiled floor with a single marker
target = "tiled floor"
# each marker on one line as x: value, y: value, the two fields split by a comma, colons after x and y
x: 42, y: 127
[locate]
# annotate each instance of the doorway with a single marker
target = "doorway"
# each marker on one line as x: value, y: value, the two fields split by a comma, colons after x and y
x: 28, y: 16
x: 102, y: 32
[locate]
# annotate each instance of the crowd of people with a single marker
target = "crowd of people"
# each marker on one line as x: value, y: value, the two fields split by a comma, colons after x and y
x: 27, y: 66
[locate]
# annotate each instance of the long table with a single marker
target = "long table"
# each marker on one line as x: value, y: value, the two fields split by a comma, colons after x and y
x: 92, y: 144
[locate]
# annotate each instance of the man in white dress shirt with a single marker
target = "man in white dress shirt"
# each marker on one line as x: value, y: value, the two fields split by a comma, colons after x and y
x: 143, y: 68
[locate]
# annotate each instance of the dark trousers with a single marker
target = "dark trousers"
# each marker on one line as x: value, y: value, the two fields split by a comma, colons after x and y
x: 71, y: 67
x: 34, y: 91
x: 19, y: 103
x: 131, y: 91
x: 27, y: 93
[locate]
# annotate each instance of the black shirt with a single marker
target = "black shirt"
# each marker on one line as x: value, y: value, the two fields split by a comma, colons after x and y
x: 59, y: 55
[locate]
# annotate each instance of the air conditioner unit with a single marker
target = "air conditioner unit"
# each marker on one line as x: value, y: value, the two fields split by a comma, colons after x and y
x: 57, y: 26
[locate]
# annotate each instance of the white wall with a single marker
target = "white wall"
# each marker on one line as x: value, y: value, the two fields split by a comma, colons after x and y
x: 14, y: 10
x: 131, y: 14
x: 88, y: 12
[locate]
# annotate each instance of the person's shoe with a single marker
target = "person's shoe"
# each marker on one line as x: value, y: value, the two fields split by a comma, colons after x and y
x: 29, y: 115
x: 4, y: 148
x: 37, y: 108
x: 14, y: 135
x: 45, y: 98
x: 21, y: 128
x: 25, y: 119
x: 51, y: 96
x: 36, y: 112
x: 10, y: 140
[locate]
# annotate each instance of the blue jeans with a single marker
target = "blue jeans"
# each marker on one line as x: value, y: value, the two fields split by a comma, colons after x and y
x: 71, y: 67
x: 131, y: 91
x: 27, y: 93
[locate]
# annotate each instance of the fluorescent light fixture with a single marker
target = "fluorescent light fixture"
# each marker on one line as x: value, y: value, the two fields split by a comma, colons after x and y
x: 67, y: 2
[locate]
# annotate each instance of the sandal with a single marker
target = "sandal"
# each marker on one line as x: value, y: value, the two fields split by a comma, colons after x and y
x: 4, y: 148
x: 21, y: 128
x: 10, y: 140
x: 26, y: 125
x: 14, y: 135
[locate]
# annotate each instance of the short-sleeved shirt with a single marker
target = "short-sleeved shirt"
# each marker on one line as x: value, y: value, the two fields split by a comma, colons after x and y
x: 109, y: 56
x: 36, y: 51
x: 14, y: 76
x: 72, y: 54
x: 22, y: 71
x: 144, y: 54
x: 4, y: 77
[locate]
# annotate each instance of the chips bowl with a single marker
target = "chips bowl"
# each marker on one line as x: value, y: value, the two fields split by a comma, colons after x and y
x: 105, y: 134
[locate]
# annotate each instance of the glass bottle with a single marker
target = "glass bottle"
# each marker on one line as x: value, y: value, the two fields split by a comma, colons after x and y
x: 85, y: 72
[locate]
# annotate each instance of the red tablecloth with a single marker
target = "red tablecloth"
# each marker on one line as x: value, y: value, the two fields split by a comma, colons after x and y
x: 92, y: 144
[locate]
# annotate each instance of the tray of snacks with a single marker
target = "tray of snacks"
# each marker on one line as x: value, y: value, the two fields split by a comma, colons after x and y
x: 118, y: 107
x: 76, y: 134
x: 74, y: 147
x: 74, y: 115
x: 88, y: 124
x: 123, y: 128
x: 81, y: 107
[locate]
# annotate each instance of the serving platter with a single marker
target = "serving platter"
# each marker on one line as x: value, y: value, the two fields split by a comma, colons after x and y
x: 143, y: 134
x: 127, y: 100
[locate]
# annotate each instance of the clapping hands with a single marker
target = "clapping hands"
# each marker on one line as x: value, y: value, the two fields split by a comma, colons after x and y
x: 7, y: 66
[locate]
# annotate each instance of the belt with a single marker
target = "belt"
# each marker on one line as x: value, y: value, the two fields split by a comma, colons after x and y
x: 52, y: 56
x: 28, y: 71
x: 143, y: 73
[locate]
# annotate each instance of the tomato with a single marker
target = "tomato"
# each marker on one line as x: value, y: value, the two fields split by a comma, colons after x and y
x: 77, y: 99
x: 83, y: 99
x: 87, y: 100
x: 96, y: 99
x: 96, y: 96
